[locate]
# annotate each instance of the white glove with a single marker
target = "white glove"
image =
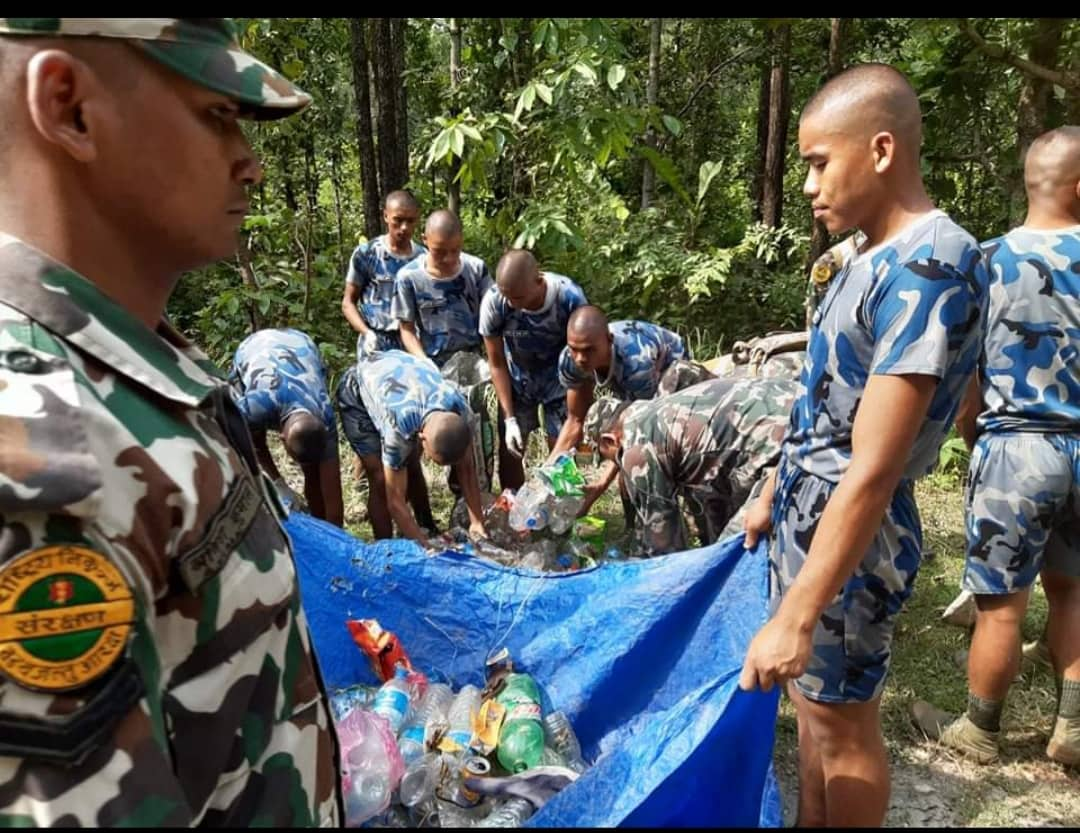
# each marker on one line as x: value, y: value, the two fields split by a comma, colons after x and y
x: 514, y: 441
x: 371, y: 342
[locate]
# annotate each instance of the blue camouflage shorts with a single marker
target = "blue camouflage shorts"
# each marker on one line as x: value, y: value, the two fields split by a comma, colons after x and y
x: 853, y: 638
x: 1023, y: 510
x: 359, y: 430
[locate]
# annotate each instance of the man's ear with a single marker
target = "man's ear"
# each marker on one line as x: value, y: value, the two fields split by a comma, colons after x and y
x: 66, y: 101
x: 883, y: 147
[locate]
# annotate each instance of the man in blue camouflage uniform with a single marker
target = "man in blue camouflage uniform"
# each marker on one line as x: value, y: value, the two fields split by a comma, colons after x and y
x: 393, y: 406
x: 155, y: 662
x: 279, y: 382
x: 709, y: 444
x: 628, y: 360
x: 1024, y: 492
x: 437, y: 300
x: 523, y: 321
x: 373, y: 268
x: 892, y: 347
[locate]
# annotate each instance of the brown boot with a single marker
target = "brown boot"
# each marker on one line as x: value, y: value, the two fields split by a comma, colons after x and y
x: 957, y: 733
x: 1064, y: 746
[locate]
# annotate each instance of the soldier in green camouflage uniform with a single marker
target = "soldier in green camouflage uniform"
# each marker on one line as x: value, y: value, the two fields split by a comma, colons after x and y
x: 155, y: 663
x: 709, y: 443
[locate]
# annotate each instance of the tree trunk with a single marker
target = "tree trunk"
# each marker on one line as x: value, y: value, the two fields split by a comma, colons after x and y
x: 247, y: 274
x: 648, y: 174
x: 397, y: 32
x: 453, y: 200
x: 757, y: 185
x: 336, y: 185
x: 365, y: 140
x: 1032, y: 105
x: 772, y: 196
x: 819, y: 237
x: 386, y: 83
x: 311, y: 183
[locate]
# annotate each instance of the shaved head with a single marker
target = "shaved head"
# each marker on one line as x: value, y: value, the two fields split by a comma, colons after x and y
x: 446, y: 437
x: 443, y: 223
x: 304, y: 436
x: 1053, y: 162
x: 587, y: 322
x: 516, y: 270
x: 402, y: 199
x: 869, y: 99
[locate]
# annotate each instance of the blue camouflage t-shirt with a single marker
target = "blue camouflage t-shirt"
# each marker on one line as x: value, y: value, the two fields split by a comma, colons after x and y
x: 1030, y: 366
x: 640, y: 353
x: 277, y: 372
x: 445, y: 311
x: 914, y: 304
x: 398, y: 391
x: 533, y: 339
x: 373, y: 268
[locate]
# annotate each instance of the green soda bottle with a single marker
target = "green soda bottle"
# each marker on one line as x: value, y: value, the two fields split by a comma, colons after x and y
x: 521, y: 738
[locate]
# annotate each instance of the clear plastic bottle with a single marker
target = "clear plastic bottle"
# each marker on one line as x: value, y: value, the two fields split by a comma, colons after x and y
x: 466, y: 703
x: 368, y: 790
x: 392, y: 700
x: 560, y: 736
x: 430, y: 712
x: 512, y: 813
x: 420, y: 779
x: 564, y: 513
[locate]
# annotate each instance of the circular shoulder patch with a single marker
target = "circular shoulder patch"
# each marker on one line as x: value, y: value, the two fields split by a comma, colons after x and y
x: 65, y: 616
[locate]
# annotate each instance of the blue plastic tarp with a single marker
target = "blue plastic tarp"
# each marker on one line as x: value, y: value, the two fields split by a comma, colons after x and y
x: 643, y: 656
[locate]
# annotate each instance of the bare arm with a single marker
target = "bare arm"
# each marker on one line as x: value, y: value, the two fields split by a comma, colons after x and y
x: 500, y: 374
x: 262, y: 454
x: 892, y: 411
x: 470, y: 489
x: 397, y: 485
x: 351, y: 310
x: 410, y: 340
x: 578, y: 401
x: 322, y: 489
x: 970, y: 408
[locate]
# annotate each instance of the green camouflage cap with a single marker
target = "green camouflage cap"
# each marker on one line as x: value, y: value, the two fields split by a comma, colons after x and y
x: 600, y: 416
x: 204, y: 50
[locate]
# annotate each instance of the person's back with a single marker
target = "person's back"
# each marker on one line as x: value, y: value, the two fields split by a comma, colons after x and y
x: 1031, y: 369
x: 709, y: 443
x: 148, y: 585
x: 1021, y: 420
x: 280, y: 383
x: 399, y: 391
x: 279, y: 371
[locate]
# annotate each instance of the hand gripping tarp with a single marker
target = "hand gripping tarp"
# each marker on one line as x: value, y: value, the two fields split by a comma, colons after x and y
x: 644, y: 658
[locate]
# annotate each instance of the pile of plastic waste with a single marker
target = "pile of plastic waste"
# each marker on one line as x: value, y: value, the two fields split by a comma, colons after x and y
x: 538, y: 526
x: 420, y: 754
